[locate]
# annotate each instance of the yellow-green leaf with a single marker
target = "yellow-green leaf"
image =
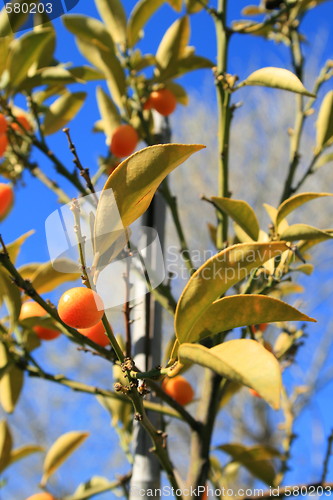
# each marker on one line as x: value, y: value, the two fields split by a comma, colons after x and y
x: 179, y: 92
x: 216, y: 276
x: 303, y: 268
x: 109, y: 112
x: 252, y: 10
x: 45, y: 278
x: 278, y: 78
x: 61, y: 449
x: 113, y: 14
x: 24, y: 52
x: 184, y: 65
x: 134, y: 183
x: 4, y: 51
x: 294, y: 202
x: 24, y: 451
x: 142, y: 12
x: 324, y: 124
x: 241, y: 213
x: 176, y: 4
x: 62, y: 111
x: 11, y: 295
x: 10, y: 383
x: 173, y: 45
x: 194, y: 6
x: 303, y: 232
x: 256, y: 459
x: 6, y: 443
x: 323, y: 160
x: 242, y: 360
x: 241, y: 310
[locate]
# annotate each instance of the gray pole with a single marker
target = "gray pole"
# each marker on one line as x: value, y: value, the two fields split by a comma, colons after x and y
x: 146, y: 336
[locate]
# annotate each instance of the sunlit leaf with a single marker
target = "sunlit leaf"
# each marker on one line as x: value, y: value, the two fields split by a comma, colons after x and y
x: 23, y: 452
x: 242, y: 360
x: 45, y: 278
x: 142, y: 12
x: 113, y: 14
x: 303, y: 232
x: 134, y: 183
x: 241, y: 310
x: 62, y: 111
x: 252, y: 10
x: 176, y: 4
x: 303, y: 268
x: 94, y: 486
x: 179, y: 92
x: 294, y: 202
x: 173, y: 45
x: 323, y: 160
x: 324, y: 124
x: 15, y: 247
x: 278, y: 78
x: 10, y: 293
x: 241, y: 213
x: 24, y: 52
x: 60, y: 451
x: 109, y: 113
x: 194, y: 6
x: 216, y: 276
x: 4, y: 46
x: 186, y: 64
x: 6, y: 443
x: 10, y: 384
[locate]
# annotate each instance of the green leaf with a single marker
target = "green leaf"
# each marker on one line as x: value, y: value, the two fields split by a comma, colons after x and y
x: 256, y: 459
x: 241, y: 310
x: 25, y: 51
x: 6, y: 443
x: 96, y: 44
x: 324, y: 124
x: 4, y: 50
x: 59, y: 452
x: 304, y: 232
x: 109, y: 113
x: 323, y: 160
x: 303, y: 268
x: 278, y: 78
x: 15, y: 247
x: 142, y: 12
x: 186, y: 64
x: 179, y: 92
x: 86, y: 73
x: 10, y: 293
x: 294, y: 202
x: 134, y: 183
x: 241, y: 213
x: 173, y: 45
x: 242, y: 360
x: 194, y: 6
x: 10, y: 23
x: 62, y: 111
x: 216, y: 276
x: 94, y: 486
x: 10, y: 384
x: 24, y: 451
x: 45, y: 278
x: 176, y: 4
x: 114, y: 17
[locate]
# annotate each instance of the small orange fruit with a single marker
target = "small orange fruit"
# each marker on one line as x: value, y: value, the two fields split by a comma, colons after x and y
x: 163, y: 101
x: 41, y: 496
x: 179, y: 389
x: 32, y: 309
x: 6, y: 199
x: 124, y: 141
x: 80, y: 307
x: 22, y: 119
x: 148, y: 104
x: 3, y: 124
x: 96, y: 334
x: 3, y: 144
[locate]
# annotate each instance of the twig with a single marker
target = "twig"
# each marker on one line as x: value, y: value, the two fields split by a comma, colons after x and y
x: 84, y: 172
x: 127, y: 308
x: 327, y: 458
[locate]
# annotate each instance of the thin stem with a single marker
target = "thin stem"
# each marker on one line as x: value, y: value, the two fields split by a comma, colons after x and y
x: 327, y: 457
x: 127, y: 307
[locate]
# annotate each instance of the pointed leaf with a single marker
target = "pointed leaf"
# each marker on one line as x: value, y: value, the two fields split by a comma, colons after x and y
x: 173, y: 45
x: 11, y: 295
x: 141, y: 13
x: 241, y: 310
x: 10, y: 384
x: 113, y: 14
x: 303, y: 232
x: 24, y: 451
x: 241, y: 213
x: 62, y: 111
x: 134, y: 183
x: 241, y: 360
x: 6, y: 443
x: 25, y: 51
x: 61, y: 449
x: 179, y: 92
x: 94, y: 486
x: 216, y: 276
x: 278, y: 78
x: 323, y: 160
x: 186, y: 64
x: 194, y: 6
x: 324, y: 124
x: 109, y: 113
x: 294, y: 202
x: 303, y: 268
x: 45, y: 278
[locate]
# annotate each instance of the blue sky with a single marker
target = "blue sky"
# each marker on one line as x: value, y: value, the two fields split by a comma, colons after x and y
x: 34, y: 202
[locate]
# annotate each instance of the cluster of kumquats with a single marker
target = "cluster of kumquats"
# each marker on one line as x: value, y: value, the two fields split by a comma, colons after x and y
x: 6, y: 191
x: 125, y: 138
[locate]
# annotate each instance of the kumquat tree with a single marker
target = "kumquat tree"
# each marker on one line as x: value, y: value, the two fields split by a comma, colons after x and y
x: 143, y: 291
